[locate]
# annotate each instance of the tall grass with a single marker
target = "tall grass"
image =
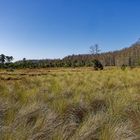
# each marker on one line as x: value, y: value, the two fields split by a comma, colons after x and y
x: 70, y: 104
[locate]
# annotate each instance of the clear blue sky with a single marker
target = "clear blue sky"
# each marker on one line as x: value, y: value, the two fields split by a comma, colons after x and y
x: 56, y: 28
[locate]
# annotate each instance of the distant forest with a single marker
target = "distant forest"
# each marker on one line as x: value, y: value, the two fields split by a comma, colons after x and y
x: 127, y: 56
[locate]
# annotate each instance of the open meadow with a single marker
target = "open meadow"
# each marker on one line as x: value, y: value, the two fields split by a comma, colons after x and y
x: 70, y: 104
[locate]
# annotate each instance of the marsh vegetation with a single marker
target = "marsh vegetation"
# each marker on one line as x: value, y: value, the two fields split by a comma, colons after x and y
x: 70, y: 104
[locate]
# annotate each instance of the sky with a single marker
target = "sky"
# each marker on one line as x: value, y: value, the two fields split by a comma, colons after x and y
x: 40, y: 29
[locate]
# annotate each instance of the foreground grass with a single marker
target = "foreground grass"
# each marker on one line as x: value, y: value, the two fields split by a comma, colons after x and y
x: 70, y: 104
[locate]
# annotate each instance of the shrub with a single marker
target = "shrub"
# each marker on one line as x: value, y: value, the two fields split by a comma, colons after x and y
x: 123, y: 67
x: 97, y: 65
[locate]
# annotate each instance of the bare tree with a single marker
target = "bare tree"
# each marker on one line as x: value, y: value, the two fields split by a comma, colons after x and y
x: 94, y: 49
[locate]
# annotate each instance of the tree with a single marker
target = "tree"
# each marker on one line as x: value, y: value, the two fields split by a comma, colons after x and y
x: 24, y: 59
x: 2, y: 58
x: 94, y: 49
x: 9, y: 58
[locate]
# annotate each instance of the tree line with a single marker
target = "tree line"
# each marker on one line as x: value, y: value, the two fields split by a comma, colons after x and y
x: 127, y: 56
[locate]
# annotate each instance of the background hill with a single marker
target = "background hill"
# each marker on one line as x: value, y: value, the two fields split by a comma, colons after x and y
x: 127, y: 56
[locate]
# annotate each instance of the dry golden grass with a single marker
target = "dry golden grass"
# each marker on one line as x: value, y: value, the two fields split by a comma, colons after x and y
x: 70, y: 104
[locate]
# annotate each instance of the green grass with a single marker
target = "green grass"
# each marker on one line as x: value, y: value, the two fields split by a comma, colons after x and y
x: 70, y: 104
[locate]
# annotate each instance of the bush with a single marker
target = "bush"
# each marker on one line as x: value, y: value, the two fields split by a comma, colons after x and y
x: 97, y: 65
x: 123, y: 67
